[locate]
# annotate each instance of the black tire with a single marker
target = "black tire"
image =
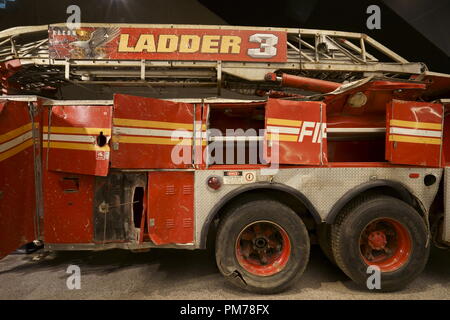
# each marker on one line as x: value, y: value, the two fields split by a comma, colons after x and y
x: 324, y: 239
x: 350, y: 228
x: 272, y: 213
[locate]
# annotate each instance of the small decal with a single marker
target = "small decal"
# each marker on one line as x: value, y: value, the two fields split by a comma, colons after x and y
x: 102, y: 155
x: 239, y: 177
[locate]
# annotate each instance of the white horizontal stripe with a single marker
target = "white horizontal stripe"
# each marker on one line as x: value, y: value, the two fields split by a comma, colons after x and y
x: 69, y: 137
x: 289, y: 130
x: 16, y: 141
x: 416, y: 132
x: 152, y: 132
x: 239, y: 138
x: 157, y: 132
x: 357, y: 130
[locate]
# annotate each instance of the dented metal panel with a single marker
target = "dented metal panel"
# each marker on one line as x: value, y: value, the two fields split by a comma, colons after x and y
x: 414, y: 133
x: 76, y: 139
x: 151, y: 133
x: 17, y: 185
x: 113, y: 215
x: 296, y: 132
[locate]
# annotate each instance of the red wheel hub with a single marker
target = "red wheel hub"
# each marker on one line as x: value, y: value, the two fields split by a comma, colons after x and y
x: 377, y: 240
x: 385, y: 243
x: 263, y: 248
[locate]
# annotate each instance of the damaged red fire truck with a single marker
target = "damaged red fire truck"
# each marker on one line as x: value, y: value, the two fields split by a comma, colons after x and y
x: 256, y: 141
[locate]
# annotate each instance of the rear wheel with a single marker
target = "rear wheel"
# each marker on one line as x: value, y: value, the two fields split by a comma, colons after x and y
x: 384, y: 232
x: 324, y: 238
x: 262, y: 246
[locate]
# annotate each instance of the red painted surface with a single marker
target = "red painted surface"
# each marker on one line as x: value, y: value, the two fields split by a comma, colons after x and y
x: 305, y: 83
x: 17, y: 197
x: 68, y: 205
x: 68, y: 152
x: 172, y: 44
x: 7, y: 70
x: 306, y: 148
x: 378, y: 94
x: 171, y: 207
x: 386, y: 243
x: 152, y: 146
x: 417, y: 114
x: 272, y: 255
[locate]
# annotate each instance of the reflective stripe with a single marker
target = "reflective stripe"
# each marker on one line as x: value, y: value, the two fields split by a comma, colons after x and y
x: 16, y: 141
x: 68, y: 138
x: 151, y: 140
x: 414, y: 139
x: 72, y: 130
x: 283, y: 122
x: 415, y: 132
x: 282, y: 137
x: 289, y: 130
x: 154, y: 124
x: 16, y: 150
x: 416, y: 125
x: 14, y: 133
x: 75, y: 146
x: 356, y: 130
x: 153, y: 132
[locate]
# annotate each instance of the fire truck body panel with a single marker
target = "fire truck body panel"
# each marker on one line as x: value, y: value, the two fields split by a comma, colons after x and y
x: 179, y: 209
x: 346, y: 148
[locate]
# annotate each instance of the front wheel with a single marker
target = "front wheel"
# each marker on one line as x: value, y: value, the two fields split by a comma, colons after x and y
x: 385, y: 233
x: 262, y: 246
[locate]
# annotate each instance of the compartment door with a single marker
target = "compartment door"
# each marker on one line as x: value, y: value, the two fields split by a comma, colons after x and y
x: 76, y: 139
x: 152, y: 134
x: 414, y: 133
x: 17, y: 177
x: 171, y: 207
x: 296, y: 132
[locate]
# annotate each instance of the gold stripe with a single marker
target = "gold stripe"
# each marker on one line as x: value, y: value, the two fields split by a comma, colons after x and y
x: 75, y: 146
x: 16, y: 149
x: 152, y: 140
x: 283, y: 137
x: 90, y: 131
x: 414, y: 139
x: 416, y: 125
x: 284, y: 122
x: 15, y: 133
x: 153, y: 124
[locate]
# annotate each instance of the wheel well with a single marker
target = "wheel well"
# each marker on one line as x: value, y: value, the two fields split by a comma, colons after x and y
x: 395, y: 191
x: 300, y: 206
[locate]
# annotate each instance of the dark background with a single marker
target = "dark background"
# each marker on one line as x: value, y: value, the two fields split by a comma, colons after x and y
x: 416, y: 29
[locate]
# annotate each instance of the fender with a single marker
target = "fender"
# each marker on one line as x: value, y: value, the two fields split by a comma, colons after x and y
x: 403, y: 193
x: 255, y: 186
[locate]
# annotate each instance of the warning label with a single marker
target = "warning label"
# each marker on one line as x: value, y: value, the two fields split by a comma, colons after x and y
x: 239, y: 177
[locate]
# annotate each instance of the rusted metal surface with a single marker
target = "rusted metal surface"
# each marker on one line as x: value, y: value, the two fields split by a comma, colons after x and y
x: 113, y: 205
